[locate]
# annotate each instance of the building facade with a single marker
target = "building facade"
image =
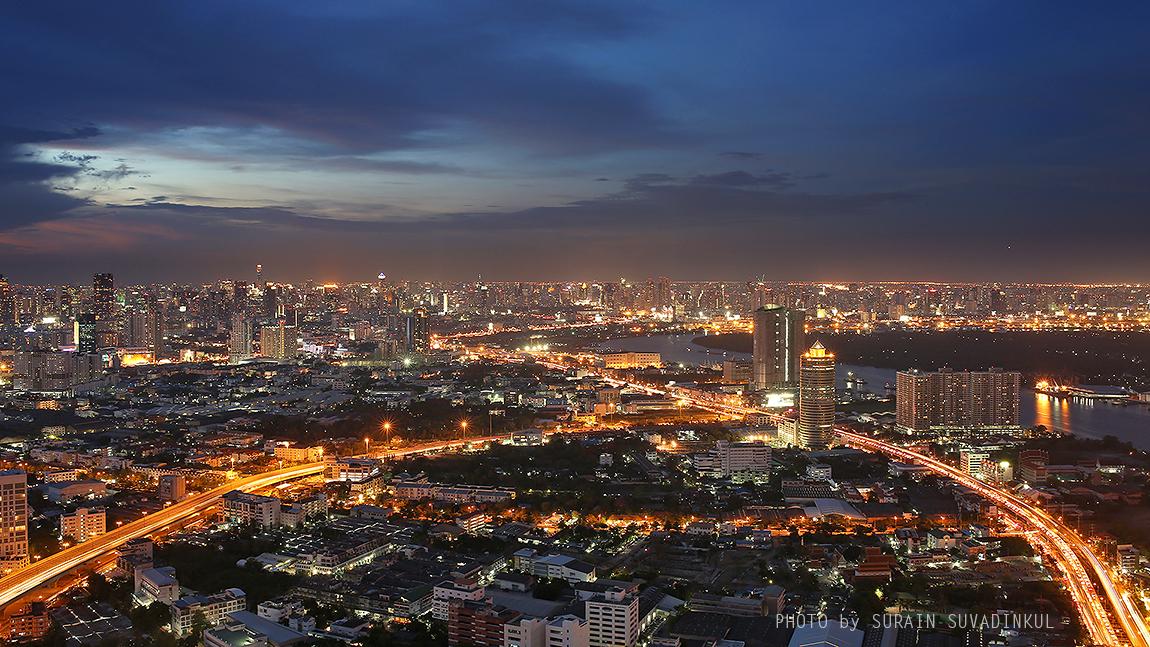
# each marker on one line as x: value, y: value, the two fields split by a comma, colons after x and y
x: 779, y: 337
x: 816, y: 425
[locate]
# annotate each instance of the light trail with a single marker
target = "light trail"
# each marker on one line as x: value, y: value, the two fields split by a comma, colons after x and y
x: 26, y: 579
x: 1079, y: 565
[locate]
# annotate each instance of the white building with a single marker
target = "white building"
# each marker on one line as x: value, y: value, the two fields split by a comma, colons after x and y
x: 613, y: 619
x: 568, y: 631
x: 972, y: 461
x: 564, y: 568
x: 83, y: 524
x: 242, y: 507
x: 156, y: 585
x: 445, y: 592
x: 740, y: 460
x: 525, y: 632
x: 213, y: 608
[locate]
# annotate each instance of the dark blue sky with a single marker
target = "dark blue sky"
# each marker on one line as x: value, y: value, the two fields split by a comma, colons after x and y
x: 720, y: 139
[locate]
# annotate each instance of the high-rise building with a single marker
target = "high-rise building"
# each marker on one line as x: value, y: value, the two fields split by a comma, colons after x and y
x: 156, y: 333
x: 13, y: 520
x: 417, y: 336
x: 957, y: 399
x: 779, y: 338
x: 103, y: 297
x: 816, y: 398
x: 7, y: 303
x: 84, y: 333
x: 278, y: 341
x: 240, y: 339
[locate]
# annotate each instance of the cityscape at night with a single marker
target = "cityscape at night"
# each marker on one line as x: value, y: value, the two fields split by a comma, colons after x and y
x: 575, y: 324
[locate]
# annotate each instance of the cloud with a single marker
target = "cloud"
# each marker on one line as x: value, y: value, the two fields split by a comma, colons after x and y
x: 741, y: 155
x: 366, y: 78
x: 27, y: 193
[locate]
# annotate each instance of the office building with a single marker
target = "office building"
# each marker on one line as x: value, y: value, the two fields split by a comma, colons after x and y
x: 83, y: 524
x: 103, y: 297
x: 778, y: 338
x: 156, y: 333
x: 417, y: 334
x: 957, y: 399
x: 7, y: 303
x: 815, y: 428
x: 13, y: 520
x: 84, y: 333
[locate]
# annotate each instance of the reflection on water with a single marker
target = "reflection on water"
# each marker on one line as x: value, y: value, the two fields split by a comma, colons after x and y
x: 1091, y: 418
x: 1051, y: 412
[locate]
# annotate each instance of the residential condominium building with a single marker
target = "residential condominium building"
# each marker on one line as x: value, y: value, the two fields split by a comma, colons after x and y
x: 242, y: 507
x: 13, y: 520
x: 957, y: 399
x: 83, y: 524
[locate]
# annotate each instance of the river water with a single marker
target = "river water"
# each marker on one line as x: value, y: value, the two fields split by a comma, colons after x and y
x: 1089, y: 418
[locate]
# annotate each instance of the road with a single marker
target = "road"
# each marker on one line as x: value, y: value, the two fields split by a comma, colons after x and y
x: 1083, y: 573
x: 1080, y: 566
x: 28, y: 578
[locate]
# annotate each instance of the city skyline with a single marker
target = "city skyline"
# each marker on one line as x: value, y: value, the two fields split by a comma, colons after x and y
x: 574, y: 139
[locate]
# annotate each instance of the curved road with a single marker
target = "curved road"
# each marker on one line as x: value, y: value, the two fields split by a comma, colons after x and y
x: 1081, y: 567
x: 28, y: 578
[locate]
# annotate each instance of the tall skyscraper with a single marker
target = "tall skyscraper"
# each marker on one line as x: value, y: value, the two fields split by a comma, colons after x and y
x: 417, y: 336
x: 103, y: 297
x: 816, y: 398
x: 779, y: 338
x: 84, y: 333
x: 957, y: 399
x: 240, y: 339
x: 7, y: 303
x: 156, y: 334
x: 13, y: 520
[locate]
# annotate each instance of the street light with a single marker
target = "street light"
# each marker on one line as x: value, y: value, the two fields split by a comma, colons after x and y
x: 387, y: 440
x: 463, y: 426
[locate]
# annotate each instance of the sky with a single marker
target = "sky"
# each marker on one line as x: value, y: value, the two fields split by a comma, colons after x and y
x: 532, y: 139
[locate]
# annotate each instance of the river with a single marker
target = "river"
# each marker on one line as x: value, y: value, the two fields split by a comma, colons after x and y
x: 1088, y: 418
